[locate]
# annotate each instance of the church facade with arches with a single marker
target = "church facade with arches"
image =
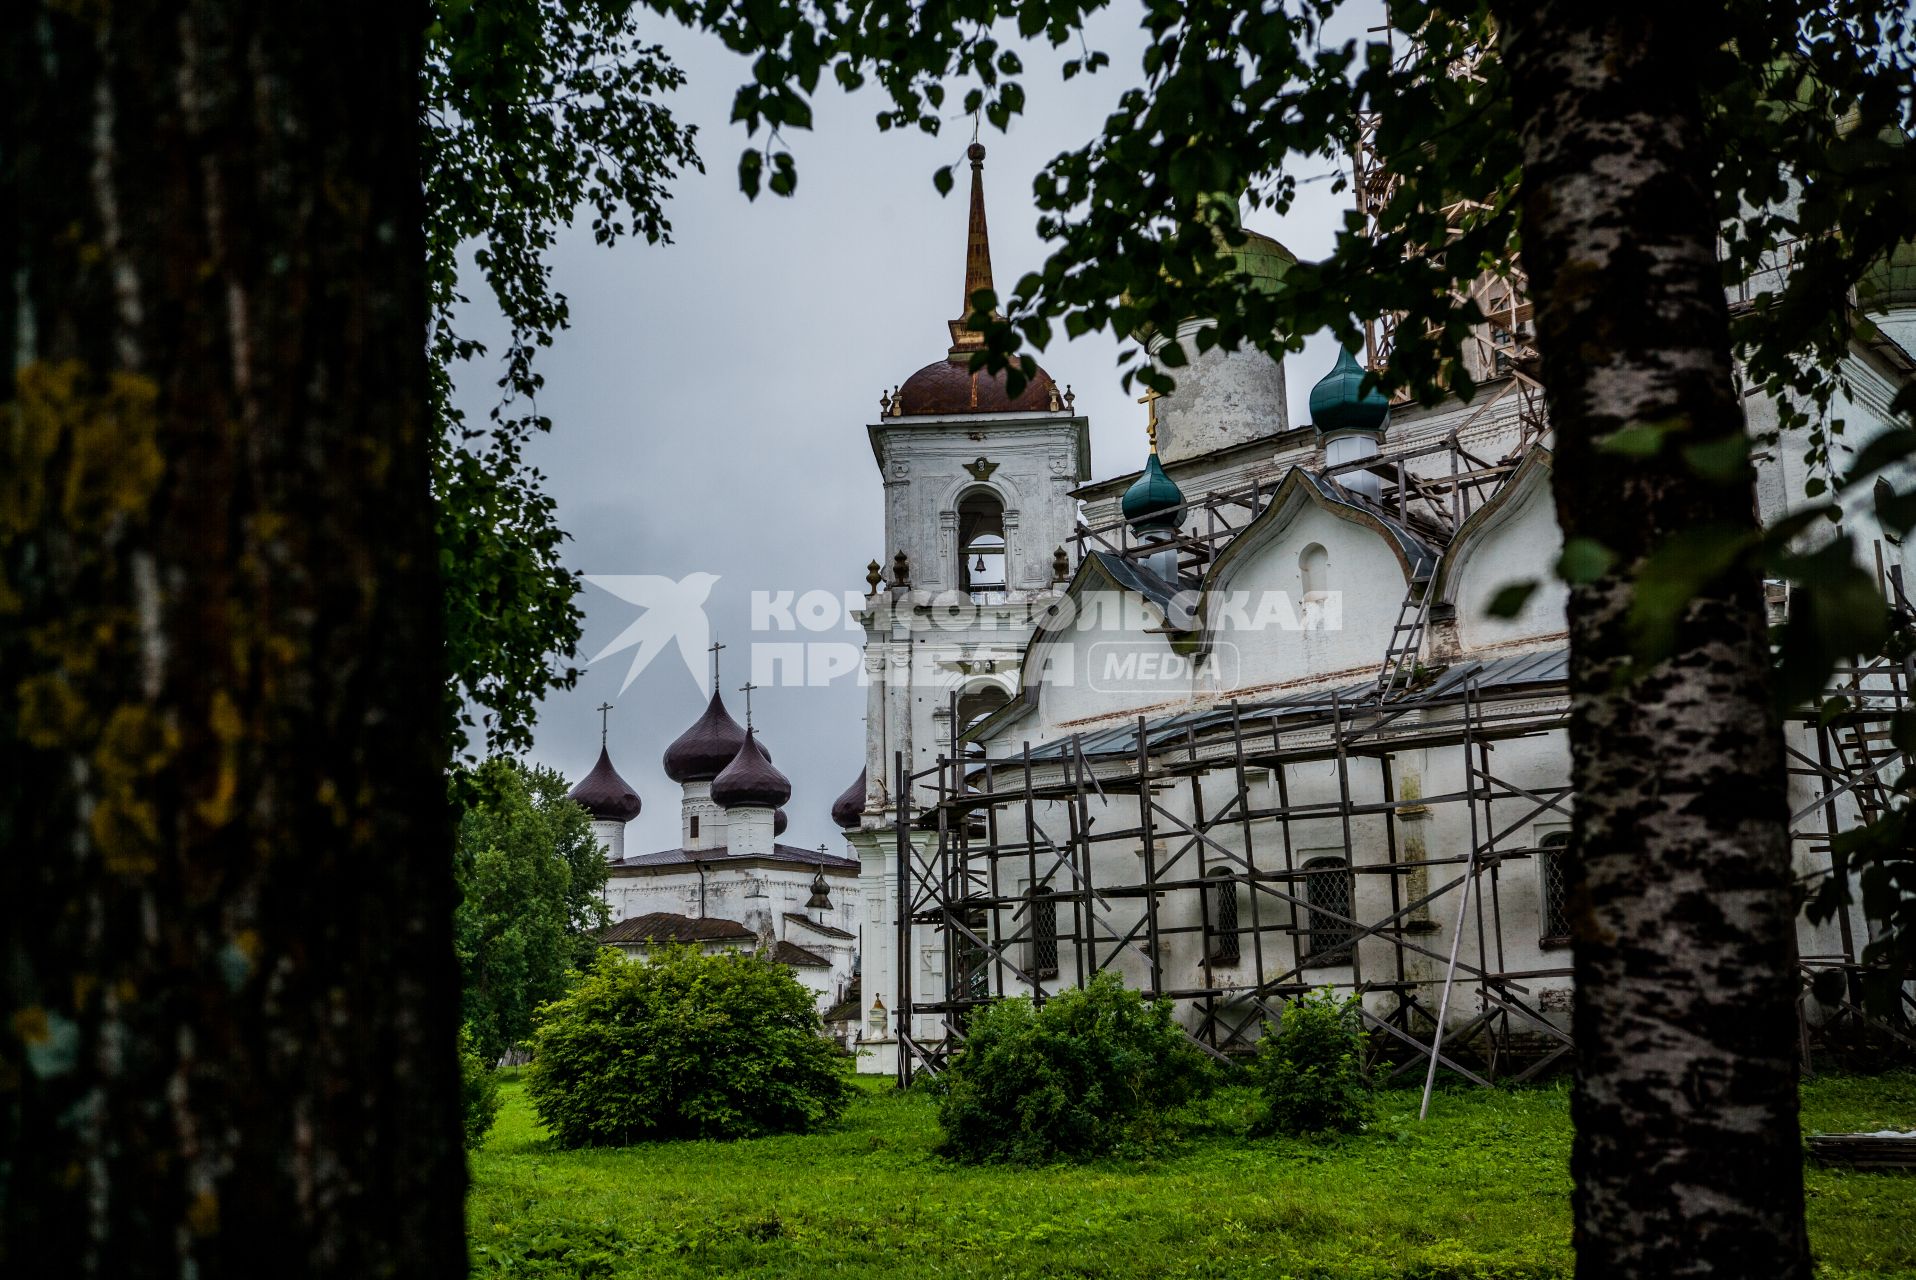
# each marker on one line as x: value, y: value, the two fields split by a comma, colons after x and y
x: 1262, y: 715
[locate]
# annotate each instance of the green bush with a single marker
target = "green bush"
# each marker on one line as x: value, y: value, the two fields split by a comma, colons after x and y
x: 478, y: 1091
x: 683, y: 1045
x: 1310, y: 1067
x: 1090, y: 1073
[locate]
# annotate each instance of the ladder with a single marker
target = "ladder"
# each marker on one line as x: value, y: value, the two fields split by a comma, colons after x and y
x: 1406, y: 639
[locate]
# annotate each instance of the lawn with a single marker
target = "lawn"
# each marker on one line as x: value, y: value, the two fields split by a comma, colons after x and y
x: 1481, y: 1190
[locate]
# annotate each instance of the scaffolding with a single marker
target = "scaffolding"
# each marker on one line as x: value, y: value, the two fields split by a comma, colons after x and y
x: 1043, y: 818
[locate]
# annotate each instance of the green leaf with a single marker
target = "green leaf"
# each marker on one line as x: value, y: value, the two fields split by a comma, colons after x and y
x: 1511, y: 598
x: 1723, y: 460
x: 1640, y: 440
x: 1584, y: 560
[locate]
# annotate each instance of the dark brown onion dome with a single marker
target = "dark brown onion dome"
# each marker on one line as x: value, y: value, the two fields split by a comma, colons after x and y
x: 950, y: 386
x: 604, y: 794
x: 779, y: 822
x: 849, y: 808
x: 751, y: 780
x: 701, y: 753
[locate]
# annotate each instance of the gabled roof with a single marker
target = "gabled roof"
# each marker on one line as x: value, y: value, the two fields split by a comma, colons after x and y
x: 1532, y: 471
x: 791, y: 953
x: 1174, y: 600
x: 824, y: 930
x: 1299, y: 487
x: 665, y: 926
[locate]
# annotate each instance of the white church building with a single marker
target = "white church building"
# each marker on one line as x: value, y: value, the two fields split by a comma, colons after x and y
x: 1243, y: 723
x: 730, y: 884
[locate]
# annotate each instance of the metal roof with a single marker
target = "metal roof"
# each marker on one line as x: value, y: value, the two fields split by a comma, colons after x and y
x: 1547, y: 667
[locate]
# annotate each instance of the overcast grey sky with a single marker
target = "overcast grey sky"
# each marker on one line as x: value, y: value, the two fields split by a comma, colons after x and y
x: 710, y: 399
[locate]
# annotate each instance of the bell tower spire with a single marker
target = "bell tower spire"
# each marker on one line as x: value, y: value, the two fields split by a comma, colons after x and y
x: 964, y: 340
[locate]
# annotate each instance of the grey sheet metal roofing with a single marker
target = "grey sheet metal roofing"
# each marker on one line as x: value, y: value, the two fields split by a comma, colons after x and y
x: 1133, y: 576
x: 1546, y: 667
x: 780, y: 852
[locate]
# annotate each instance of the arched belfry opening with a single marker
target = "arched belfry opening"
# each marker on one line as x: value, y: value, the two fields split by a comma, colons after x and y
x: 982, y: 551
x: 978, y: 700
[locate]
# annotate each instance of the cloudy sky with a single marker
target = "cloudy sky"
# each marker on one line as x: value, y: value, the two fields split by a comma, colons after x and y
x: 710, y: 401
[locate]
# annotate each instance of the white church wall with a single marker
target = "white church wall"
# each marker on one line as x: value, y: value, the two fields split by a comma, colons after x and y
x: 1345, y: 615
x: 1519, y: 541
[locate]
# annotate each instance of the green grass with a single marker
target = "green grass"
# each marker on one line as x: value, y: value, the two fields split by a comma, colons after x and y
x: 1481, y: 1190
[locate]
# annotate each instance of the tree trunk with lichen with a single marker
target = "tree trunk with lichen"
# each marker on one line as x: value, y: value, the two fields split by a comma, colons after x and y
x: 1687, y: 1156
x: 230, y: 997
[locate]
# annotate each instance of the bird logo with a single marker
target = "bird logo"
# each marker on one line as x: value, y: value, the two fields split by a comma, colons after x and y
x: 674, y: 613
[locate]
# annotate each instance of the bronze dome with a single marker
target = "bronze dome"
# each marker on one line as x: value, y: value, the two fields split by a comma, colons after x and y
x: 949, y: 386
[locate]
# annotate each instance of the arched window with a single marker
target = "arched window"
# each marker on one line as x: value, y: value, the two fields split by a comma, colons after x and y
x: 1327, y: 888
x: 1223, y: 948
x: 1314, y: 567
x: 1553, y: 885
x: 981, y: 542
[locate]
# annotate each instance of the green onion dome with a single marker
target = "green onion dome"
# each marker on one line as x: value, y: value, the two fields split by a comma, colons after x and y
x: 1153, y: 501
x: 1339, y: 402
x: 1260, y: 257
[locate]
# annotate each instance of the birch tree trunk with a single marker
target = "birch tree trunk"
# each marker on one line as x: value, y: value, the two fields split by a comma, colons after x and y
x: 1687, y: 1157
x: 228, y: 1043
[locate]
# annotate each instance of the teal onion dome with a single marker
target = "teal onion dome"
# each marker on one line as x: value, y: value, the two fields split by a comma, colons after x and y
x: 1153, y: 501
x: 1338, y: 402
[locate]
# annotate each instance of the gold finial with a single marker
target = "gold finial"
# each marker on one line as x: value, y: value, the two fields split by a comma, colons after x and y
x: 964, y: 339
x: 1150, y: 401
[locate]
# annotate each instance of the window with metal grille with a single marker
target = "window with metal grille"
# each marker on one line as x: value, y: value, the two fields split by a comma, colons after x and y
x: 1223, y: 948
x: 974, y: 960
x: 1042, y: 953
x: 1328, y: 891
x: 1553, y: 884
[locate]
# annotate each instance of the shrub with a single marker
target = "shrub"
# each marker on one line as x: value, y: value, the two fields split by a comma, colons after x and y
x: 683, y: 1045
x: 478, y: 1091
x: 1089, y: 1073
x: 1310, y: 1067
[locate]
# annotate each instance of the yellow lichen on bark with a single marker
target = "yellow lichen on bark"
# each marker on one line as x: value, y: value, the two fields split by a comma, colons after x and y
x: 136, y: 744
x: 89, y: 445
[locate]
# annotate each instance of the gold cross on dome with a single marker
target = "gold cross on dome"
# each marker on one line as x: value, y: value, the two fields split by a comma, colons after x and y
x: 1150, y: 402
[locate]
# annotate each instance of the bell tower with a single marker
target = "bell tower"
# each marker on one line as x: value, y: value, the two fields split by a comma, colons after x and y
x: 978, y: 523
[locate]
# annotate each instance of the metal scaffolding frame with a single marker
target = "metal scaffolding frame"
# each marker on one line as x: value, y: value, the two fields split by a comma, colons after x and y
x: 960, y: 856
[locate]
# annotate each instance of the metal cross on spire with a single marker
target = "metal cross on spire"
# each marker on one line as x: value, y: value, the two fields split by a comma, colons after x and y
x: 1150, y: 402
x: 604, y: 709
x: 714, y: 651
x: 746, y: 689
